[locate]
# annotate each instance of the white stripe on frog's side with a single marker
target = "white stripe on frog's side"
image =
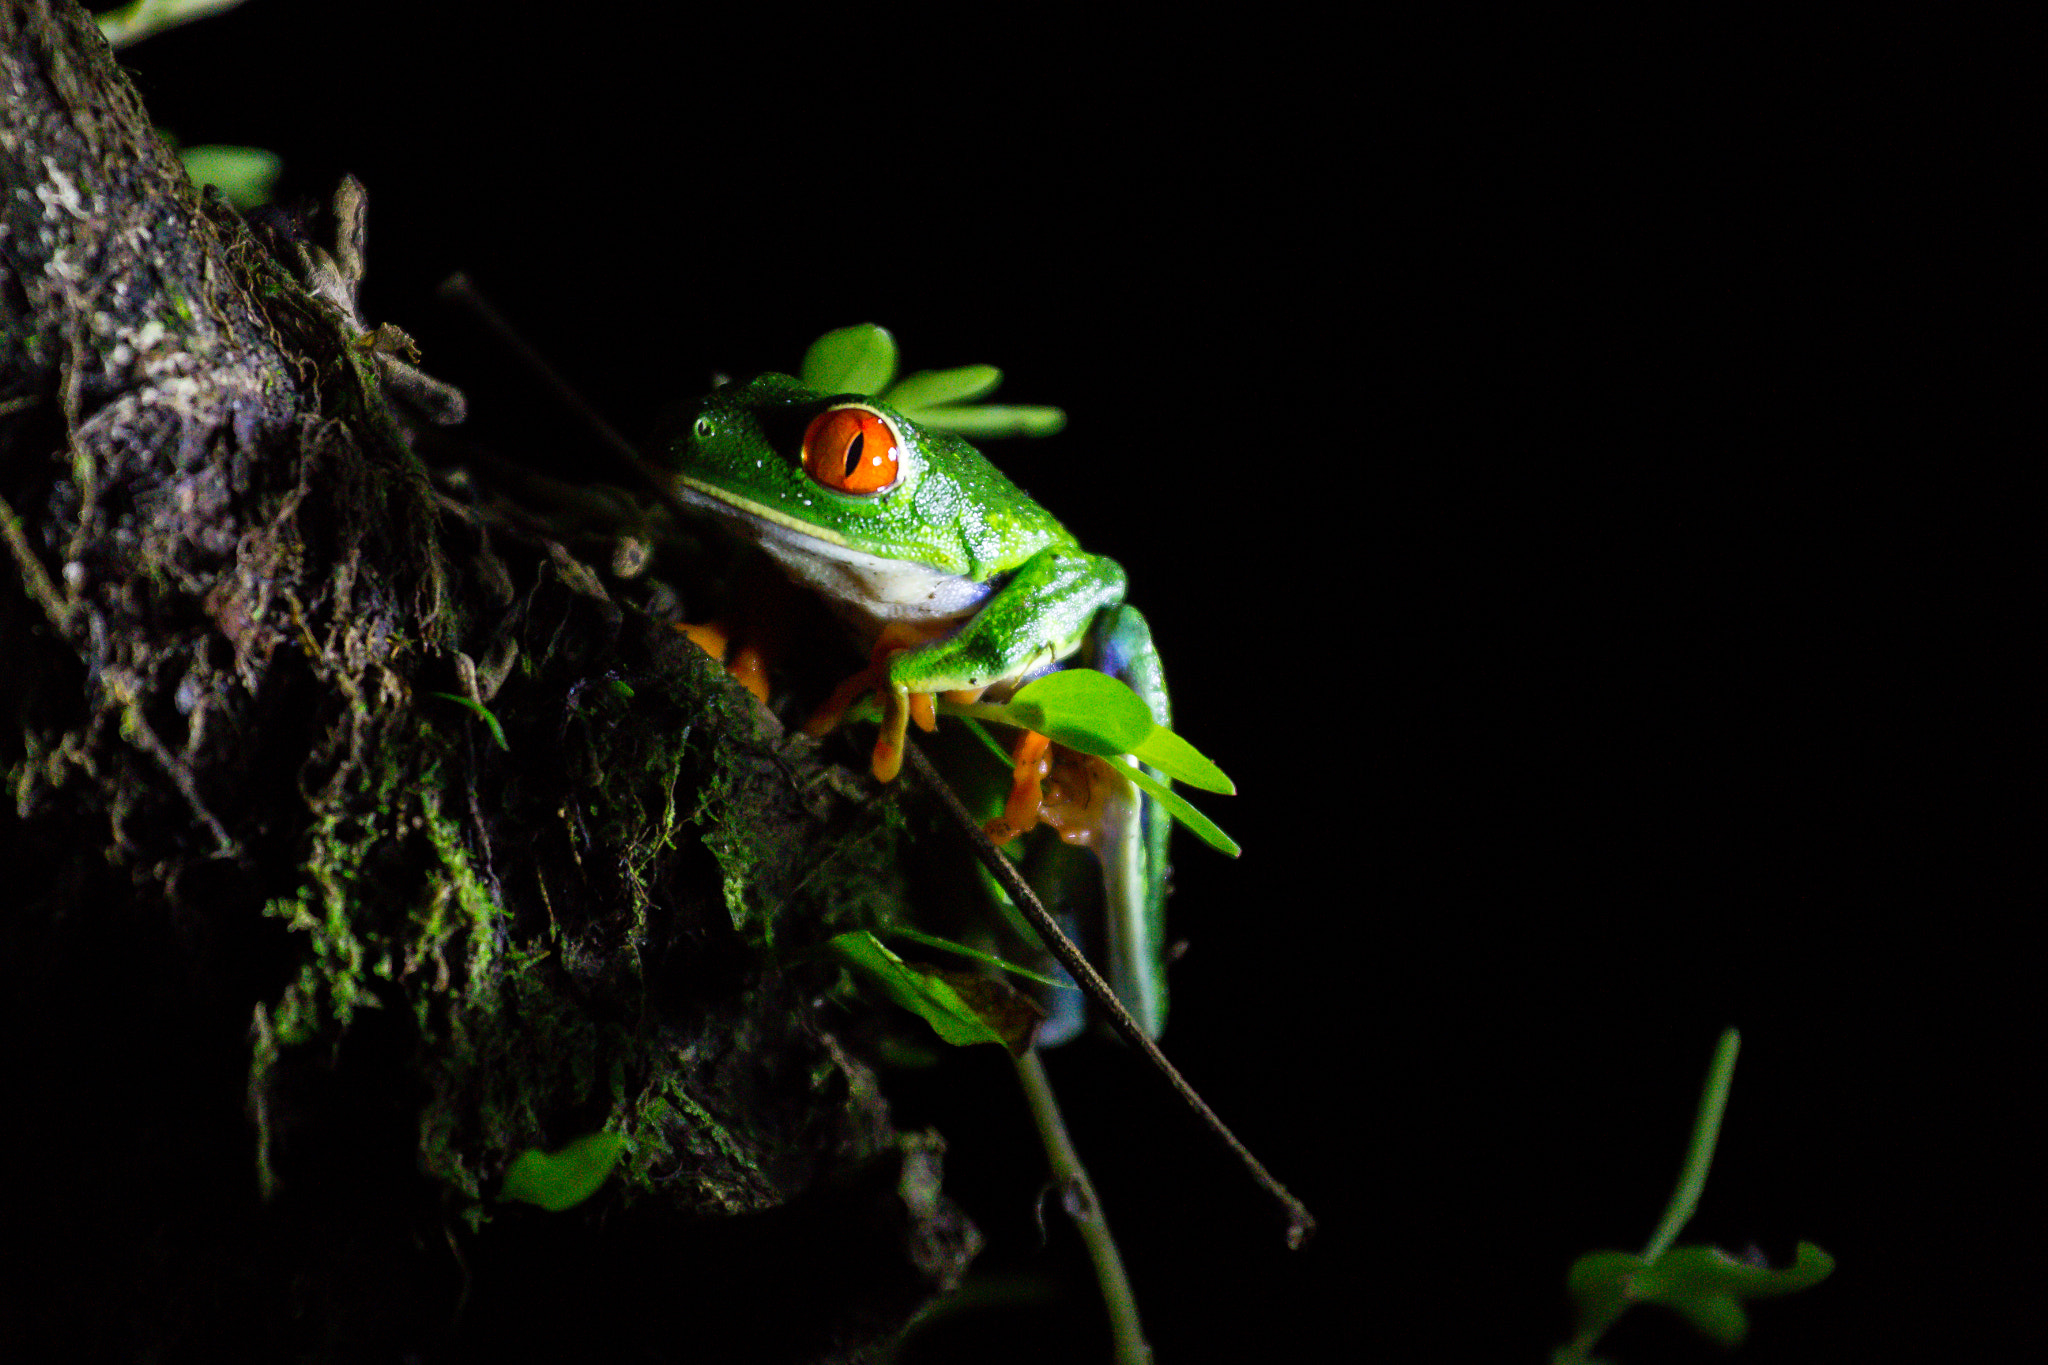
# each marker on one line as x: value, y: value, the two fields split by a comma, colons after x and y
x: 866, y: 587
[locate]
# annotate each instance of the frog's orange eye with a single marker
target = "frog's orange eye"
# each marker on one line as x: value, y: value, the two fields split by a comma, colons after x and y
x: 853, y: 450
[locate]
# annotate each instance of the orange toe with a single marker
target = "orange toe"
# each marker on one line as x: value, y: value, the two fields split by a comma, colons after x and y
x: 711, y: 637
x: 750, y: 670
x: 1027, y: 776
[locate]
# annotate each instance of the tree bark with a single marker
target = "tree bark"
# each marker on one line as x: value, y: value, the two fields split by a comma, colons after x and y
x: 297, y: 958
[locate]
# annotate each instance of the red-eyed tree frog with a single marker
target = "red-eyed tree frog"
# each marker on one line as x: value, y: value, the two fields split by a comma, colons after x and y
x: 960, y: 587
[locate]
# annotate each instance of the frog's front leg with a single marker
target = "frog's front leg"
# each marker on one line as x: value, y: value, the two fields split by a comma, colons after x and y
x: 1036, y: 618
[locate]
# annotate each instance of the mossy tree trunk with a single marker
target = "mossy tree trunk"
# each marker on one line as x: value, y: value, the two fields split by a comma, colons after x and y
x: 296, y: 956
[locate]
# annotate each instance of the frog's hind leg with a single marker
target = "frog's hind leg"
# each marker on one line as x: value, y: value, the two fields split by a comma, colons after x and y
x: 1029, y: 764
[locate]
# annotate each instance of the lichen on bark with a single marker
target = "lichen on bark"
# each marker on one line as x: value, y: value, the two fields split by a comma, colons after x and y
x: 296, y: 956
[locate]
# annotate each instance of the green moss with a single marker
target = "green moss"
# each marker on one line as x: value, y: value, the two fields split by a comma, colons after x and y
x: 666, y: 1118
x: 482, y: 917
x: 399, y: 906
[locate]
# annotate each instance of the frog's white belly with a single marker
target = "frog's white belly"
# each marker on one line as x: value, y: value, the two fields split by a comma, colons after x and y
x: 861, y: 585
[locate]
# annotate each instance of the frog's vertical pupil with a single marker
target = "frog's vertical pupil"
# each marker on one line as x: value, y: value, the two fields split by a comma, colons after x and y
x: 852, y: 450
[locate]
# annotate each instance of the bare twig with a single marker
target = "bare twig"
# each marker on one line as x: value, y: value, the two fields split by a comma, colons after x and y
x: 1301, y: 1225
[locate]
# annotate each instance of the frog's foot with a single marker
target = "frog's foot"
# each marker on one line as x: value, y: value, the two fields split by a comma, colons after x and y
x: 749, y: 668
x: 1051, y: 784
x: 900, y: 705
x: 1079, y: 792
x: 826, y: 718
x: 712, y: 637
x: 746, y: 664
x: 1030, y: 762
x: 896, y: 709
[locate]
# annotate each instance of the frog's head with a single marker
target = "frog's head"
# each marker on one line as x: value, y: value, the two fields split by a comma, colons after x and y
x: 842, y: 469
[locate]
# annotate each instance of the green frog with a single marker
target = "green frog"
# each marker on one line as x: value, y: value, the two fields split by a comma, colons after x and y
x: 960, y: 587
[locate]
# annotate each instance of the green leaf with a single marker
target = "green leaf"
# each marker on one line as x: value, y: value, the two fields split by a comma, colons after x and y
x: 1716, y: 1316
x: 564, y: 1179
x: 857, y: 359
x: 1083, y: 709
x: 1177, y: 806
x: 246, y: 175
x: 1182, y: 762
x: 1703, y: 1284
x: 1598, y: 1285
x: 131, y: 23
x: 490, y: 721
x: 929, y: 388
x: 948, y: 945
x: 927, y: 996
x: 1692, y: 1271
x: 1088, y: 710
x: 987, y: 421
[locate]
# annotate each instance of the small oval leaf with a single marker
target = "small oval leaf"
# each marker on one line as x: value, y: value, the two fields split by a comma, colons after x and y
x: 564, y: 1179
x: 857, y: 359
x: 246, y: 175
x: 929, y: 388
x: 1084, y: 710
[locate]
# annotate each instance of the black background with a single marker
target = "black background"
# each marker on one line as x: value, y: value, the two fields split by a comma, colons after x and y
x: 1550, y: 460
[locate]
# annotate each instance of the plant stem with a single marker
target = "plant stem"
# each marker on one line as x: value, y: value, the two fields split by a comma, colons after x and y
x: 1706, y: 1131
x: 1078, y: 1198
